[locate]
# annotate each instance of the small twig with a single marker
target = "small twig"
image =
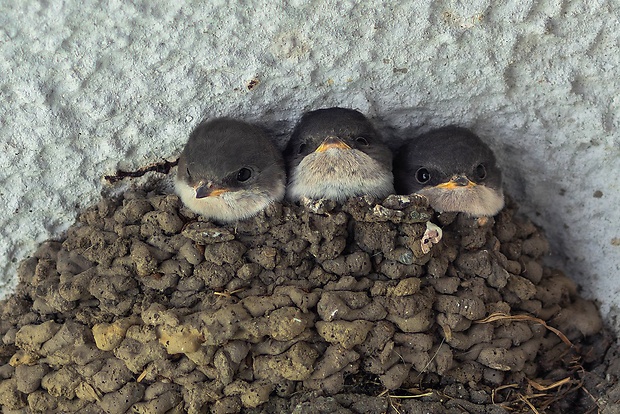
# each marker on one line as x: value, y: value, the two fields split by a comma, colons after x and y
x: 432, y: 359
x: 529, y: 404
x: 163, y: 167
x: 540, y: 387
x: 503, y: 316
x: 598, y: 407
x: 426, y: 394
x: 228, y: 294
x: 393, y: 405
x: 141, y: 376
x: 503, y: 387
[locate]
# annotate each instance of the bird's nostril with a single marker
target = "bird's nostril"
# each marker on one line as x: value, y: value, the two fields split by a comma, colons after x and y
x: 461, y: 180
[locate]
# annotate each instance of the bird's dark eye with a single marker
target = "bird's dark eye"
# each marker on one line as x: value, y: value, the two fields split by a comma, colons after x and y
x: 302, y: 147
x: 361, y: 140
x: 481, y: 172
x: 422, y: 175
x: 244, y: 174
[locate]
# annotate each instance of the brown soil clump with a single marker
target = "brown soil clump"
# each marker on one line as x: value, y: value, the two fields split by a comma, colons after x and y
x: 321, y: 308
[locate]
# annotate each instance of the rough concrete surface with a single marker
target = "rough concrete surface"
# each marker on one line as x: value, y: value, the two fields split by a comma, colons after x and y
x: 87, y: 88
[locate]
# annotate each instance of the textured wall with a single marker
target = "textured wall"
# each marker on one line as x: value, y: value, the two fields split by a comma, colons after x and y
x: 87, y: 88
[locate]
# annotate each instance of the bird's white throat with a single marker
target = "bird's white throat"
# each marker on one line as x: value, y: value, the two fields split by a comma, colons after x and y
x: 229, y: 206
x: 338, y: 174
x: 476, y: 201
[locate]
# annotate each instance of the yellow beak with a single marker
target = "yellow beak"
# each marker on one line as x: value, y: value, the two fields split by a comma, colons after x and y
x: 458, y: 181
x: 207, y: 190
x: 330, y: 143
x: 217, y: 192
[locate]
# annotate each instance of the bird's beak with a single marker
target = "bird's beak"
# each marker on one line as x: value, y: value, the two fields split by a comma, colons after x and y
x: 458, y: 181
x: 332, y: 142
x: 209, y: 190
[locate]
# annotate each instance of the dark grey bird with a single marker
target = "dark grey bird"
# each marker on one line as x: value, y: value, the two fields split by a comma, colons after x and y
x: 336, y: 153
x: 229, y: 170
x: 454, y: 169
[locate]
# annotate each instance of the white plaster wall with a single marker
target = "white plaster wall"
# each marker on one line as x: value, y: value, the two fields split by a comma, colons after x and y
x: 88, y: 87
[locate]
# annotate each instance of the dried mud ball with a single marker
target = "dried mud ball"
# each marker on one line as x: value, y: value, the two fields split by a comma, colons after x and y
x: 145, y: 307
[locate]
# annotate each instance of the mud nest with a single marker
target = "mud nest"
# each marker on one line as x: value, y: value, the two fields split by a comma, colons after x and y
x: 355, y: 308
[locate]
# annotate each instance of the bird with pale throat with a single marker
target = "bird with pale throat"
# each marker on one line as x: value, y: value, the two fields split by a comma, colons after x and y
x: 454, y: 169
x: 336, y: 153
x: 229, y: 170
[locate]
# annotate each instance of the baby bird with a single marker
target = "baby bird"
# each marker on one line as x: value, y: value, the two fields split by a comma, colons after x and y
x: 229, y: 170
x: 454, y: 169
x: 336, y: 153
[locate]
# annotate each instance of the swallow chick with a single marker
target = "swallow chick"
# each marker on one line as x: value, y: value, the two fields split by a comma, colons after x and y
x: 336, y: 153
x: 229, y: 170
x: 454, y: 169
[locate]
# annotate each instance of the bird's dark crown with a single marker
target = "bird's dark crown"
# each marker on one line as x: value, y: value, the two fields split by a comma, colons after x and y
x: 348, y: 125
x: 217, y: 150
x: 451, y: 149
x: 444, y: 152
